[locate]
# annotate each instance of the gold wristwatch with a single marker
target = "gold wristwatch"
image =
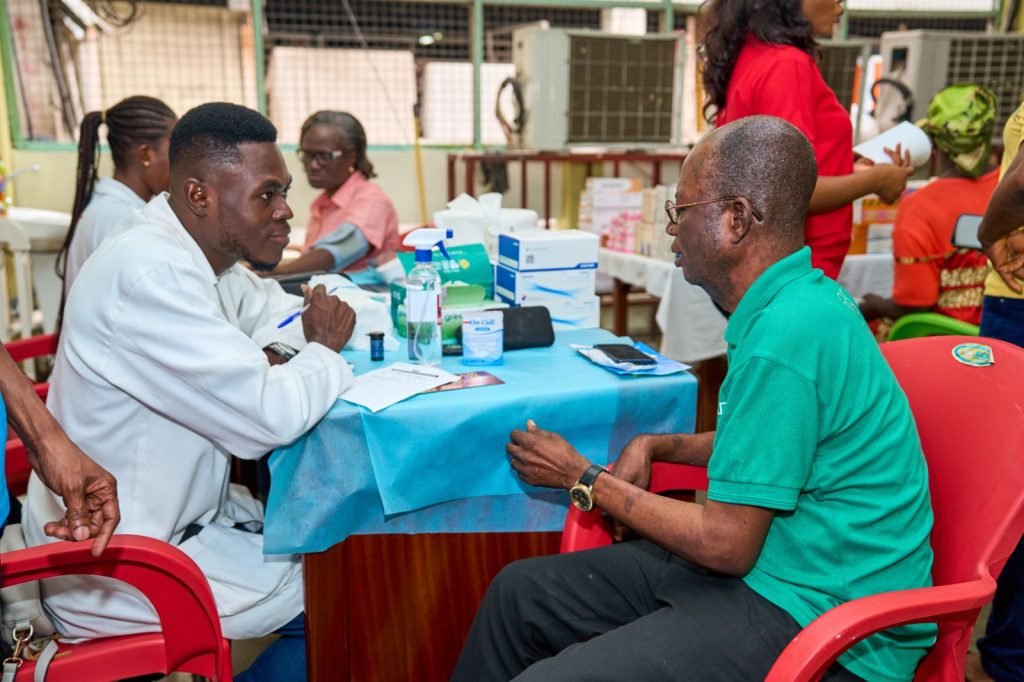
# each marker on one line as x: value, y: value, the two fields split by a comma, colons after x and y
x: 580, y: 493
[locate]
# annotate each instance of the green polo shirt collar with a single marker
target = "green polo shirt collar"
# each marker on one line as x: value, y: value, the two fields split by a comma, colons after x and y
x: 763, y: 290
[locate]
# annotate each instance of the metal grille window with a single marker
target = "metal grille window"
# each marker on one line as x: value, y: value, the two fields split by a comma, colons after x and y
x: 839, y: 67
x: 996, y: 63
x: 379, y: 59
x: 873, y: 27
x: 71, y: 61
x: 499, y: 22
x: 428, y: 30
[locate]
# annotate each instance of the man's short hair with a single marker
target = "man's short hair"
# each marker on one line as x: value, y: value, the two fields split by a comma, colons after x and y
x: 769, y: 161
x: 212, y: 133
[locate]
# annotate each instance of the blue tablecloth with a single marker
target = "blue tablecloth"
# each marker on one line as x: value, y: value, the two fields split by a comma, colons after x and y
x: 437, y: 462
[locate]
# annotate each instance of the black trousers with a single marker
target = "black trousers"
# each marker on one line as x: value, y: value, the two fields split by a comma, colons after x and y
x: 630, y: 611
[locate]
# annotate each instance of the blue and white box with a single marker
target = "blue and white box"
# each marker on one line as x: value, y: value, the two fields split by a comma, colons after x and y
x: 483, y: 338
x: 571, y: 313
x: 536, y: 287
x: 548, y: 250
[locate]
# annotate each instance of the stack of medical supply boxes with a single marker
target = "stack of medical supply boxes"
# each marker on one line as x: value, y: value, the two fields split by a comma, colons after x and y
x: 651, y: 238
x: 551, y: 268
x: 610, y: 208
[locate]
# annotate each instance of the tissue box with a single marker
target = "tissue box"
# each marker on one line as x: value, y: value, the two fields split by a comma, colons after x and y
x: 469, y: 264
x: 548, y: 250
x: 533, y: 288
x: 451, y: 315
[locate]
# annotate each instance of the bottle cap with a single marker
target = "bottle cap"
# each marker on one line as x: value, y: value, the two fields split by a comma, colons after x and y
x: 376, y: 336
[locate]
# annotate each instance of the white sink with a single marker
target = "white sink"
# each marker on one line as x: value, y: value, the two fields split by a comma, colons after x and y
x: 36, y: 235
x: 45, y: 229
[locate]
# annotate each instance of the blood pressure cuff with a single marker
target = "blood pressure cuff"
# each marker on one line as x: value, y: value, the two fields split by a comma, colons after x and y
x: 345, y: 243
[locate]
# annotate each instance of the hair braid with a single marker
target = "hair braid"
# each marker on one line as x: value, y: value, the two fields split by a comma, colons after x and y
x: 131, y: 122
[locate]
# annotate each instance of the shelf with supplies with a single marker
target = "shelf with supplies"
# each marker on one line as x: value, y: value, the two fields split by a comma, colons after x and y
x: 523, y: 160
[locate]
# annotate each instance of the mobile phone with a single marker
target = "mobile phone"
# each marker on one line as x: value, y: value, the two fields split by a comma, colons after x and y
x: 965, y: 232
x: 621, y: 352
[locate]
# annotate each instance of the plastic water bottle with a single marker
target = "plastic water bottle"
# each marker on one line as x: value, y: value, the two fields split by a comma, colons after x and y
x: 423, y: 298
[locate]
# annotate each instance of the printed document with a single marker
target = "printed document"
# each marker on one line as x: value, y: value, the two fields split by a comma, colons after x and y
x: 384, y: 387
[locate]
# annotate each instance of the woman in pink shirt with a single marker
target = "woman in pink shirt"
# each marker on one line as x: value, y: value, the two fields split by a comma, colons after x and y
x: 353, y: 226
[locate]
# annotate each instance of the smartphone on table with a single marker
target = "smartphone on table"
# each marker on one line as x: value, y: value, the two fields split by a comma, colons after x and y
x: 622, y: 352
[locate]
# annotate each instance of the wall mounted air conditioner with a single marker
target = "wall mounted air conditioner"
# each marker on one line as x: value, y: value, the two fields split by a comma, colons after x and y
x: 584, y: 88
x: 927, y: 61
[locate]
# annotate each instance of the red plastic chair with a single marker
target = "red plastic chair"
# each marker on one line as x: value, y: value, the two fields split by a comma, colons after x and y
x: 190, y: 640
x: 971, y: 423
x: 16, y: 467
x: 33, y: 347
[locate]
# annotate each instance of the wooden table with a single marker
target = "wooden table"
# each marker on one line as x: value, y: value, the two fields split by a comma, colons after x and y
x: 389, y: 608
x: 405, y: 516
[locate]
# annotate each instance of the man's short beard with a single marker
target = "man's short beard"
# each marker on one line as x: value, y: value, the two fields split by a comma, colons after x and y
x: 231, y: 244
x: 261, y: 267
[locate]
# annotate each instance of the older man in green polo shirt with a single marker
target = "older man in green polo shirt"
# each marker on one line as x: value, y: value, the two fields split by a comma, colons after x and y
x: 818, y: 486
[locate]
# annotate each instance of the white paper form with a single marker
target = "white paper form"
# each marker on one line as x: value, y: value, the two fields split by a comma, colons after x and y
x: 392, y: 384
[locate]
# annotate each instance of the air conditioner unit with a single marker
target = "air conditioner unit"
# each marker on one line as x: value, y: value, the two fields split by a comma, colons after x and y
x: 839, y: 66
x: 590, y: 88
x: 927, y: 61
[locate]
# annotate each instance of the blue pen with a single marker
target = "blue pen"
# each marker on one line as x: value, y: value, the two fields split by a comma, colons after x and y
x: 298, y: 313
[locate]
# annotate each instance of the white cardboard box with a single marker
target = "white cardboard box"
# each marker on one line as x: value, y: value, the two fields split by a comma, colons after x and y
x: 549, y: 250
x: 575, y: 313
x: 522, y: 288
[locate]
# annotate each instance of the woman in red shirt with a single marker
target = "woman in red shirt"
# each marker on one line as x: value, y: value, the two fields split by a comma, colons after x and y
x: 761, y: 58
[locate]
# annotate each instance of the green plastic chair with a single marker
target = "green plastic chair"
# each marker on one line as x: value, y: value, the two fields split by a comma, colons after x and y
x: 930, y: 324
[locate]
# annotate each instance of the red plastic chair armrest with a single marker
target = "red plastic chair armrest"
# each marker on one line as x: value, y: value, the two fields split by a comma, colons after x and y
x: 818, y: 645
x: 168, y: 578
x: 32, y: 347
x: 585, y: 530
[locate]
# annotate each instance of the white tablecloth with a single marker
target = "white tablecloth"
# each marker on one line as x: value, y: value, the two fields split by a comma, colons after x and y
x: 692, y: 328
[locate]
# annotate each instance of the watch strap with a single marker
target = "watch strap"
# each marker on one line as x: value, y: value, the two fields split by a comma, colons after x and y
x: 591, y: 474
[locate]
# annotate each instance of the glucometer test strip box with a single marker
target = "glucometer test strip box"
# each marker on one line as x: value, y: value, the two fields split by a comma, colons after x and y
x: 548, y: 250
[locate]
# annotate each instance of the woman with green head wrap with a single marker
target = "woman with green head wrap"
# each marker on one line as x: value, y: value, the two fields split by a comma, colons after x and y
x: 960, y: 121
x: 930, y: 273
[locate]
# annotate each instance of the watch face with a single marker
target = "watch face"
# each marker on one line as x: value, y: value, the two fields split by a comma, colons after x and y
x: 580, y: 496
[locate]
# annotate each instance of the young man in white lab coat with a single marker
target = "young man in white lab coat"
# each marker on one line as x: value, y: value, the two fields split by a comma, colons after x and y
x: 161, y: 376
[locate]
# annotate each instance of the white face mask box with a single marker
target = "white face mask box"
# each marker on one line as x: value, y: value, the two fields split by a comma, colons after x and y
x: 548, y: 250
x: 529, y: 288
x: 570, y: 313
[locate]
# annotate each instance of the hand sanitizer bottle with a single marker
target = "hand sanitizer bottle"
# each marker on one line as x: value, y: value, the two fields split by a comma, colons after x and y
x: 423, y: 297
